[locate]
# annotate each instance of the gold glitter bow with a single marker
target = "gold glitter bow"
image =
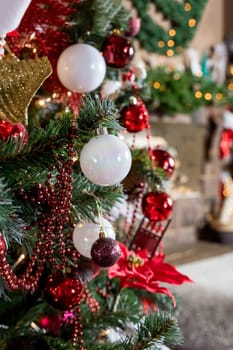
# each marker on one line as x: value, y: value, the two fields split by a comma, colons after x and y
x: 19, y: 81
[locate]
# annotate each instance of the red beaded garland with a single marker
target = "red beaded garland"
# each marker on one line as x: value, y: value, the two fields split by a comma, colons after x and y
x: 157, y: 206
x: 163, y: 160
x: 117, y: 51
x: 135, y: 117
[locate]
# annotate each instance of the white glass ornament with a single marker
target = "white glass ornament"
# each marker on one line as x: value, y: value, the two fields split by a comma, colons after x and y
x: 86, y: 233
x: 105, y: 160
x: 11, y: 13
x: 110, y: 88
x: 81, y: 68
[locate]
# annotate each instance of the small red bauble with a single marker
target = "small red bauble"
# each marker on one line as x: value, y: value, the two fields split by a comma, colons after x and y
x: 134, y: 26
x: 63, y: 292
x: 117, y: 51
x: 52, y: 323
x: 105, y: 252
x: 12, y: 130
x: 157, y: 206
x: 135, y: 117
x: 164, y: 160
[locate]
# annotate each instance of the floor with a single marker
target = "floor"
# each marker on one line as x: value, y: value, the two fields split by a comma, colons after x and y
x: 206, y: 311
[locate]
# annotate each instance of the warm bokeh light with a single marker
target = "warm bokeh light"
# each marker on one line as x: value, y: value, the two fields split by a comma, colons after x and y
x: 187, y: 7
x: 156, y: 85
x: 192, y: 22
x: 230, y: 86
x: 172, y: 32
x: 170, y: 43
x: 198, y: 94
x: 219, y: 96
x: 208, y: 96
x: 170, y: 53
x: 161, y: 43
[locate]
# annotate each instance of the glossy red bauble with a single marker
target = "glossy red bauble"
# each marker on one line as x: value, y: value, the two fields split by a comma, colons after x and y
x: 12, y: 130
x: 135, y: 117
x: 157, y: 206
x: 63, y: 292
x: 52, y: 323
x: 105, y: 252
x: 164, y: 161
x: 117, y: 51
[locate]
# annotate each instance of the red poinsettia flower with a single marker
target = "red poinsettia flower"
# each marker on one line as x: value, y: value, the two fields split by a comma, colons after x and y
x: 136, y: 270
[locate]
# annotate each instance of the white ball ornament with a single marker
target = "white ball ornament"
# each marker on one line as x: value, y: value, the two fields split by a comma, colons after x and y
x: 81, y: 68
x: 105, y: 160
x: 86, y: 233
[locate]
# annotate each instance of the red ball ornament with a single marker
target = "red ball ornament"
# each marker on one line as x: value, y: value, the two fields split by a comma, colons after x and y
x: 134, y: 26
x: 135, y: 117
x: 164, y: 160
x: 157, y: 206
x: 52, y: 323
x: 105, y: 252
x: 63, y: 292
x: 117, y: 51
x: 12, y: 130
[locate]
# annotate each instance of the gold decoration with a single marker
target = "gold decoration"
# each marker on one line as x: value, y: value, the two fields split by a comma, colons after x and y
x: 19, y: 82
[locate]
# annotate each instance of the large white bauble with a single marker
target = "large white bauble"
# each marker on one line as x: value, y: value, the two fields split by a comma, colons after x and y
x: 11, y: 13
x: 105, y: 160
x: 86, y: 233
x: 81, y: 68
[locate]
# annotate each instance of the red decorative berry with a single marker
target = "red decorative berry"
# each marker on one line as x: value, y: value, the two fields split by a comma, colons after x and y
x: 12, y: 130
x: 117, y: 51
x: 164, y: 160
x: 63, y: 291
x: 105, y: 252
x: 157, y: 206
x: 135, y: 117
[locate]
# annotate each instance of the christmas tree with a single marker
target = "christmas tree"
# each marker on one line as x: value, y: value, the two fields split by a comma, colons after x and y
x: 67, y: 280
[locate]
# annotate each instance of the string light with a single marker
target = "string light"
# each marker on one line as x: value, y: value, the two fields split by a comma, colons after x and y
x: 170, y: 43
x: 219, y: 96
x: 208, y: 96
x: 187, y: 6
x: 156, y: 85
x: 41, y: 102
x: 170, y: 53
x: 198, y: 94
x: 161, y: 43
x: 172, y: 32
x: 192, y: 22
x: 230, y: 86
x: 20, y: 259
